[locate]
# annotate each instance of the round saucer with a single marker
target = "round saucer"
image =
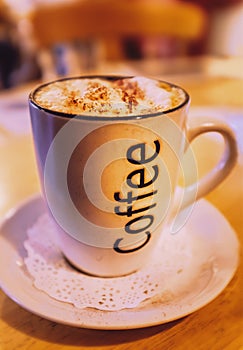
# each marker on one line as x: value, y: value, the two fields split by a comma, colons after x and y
x: 218, y: 259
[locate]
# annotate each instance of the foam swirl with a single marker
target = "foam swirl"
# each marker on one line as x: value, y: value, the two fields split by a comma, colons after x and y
x: 100, y: 96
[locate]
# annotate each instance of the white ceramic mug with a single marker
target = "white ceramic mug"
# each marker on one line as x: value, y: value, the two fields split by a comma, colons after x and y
x: 110, y: 181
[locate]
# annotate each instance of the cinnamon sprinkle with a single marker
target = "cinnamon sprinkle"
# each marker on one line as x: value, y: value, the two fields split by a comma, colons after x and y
x: 97, y: 96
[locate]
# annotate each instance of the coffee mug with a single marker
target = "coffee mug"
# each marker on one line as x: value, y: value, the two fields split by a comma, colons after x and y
x: 109, y: 167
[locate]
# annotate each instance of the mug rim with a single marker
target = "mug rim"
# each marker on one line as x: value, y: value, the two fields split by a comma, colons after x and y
x: 105, y: 117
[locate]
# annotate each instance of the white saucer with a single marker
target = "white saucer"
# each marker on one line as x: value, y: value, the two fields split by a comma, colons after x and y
x: 218, y: 259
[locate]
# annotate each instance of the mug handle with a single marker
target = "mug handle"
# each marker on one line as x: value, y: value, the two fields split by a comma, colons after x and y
x: 184, y: 197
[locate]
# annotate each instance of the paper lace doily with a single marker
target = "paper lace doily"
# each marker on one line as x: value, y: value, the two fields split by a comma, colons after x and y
x: 169, y: 272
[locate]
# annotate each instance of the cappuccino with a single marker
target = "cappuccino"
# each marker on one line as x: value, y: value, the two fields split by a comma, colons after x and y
x: 109, y: 151
x: 102, y: 154
x: 109, y: 97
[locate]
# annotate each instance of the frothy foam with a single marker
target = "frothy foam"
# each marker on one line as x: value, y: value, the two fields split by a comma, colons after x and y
x: 98, y: 96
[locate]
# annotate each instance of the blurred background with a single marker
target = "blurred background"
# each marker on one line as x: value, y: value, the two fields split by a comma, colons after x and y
x: 41, y: 39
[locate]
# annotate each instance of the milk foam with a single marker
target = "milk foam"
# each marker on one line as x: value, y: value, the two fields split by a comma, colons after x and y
x: 98, y: 96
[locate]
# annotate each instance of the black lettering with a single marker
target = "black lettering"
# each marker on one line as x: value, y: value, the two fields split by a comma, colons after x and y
x: 130, y: 198
x: 141, y: 147
x: 130, y: 212
x: 128, y: 228
x: 141, y: 183
x: 119, y: 250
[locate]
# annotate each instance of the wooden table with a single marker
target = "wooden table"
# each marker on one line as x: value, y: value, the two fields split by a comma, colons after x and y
x: 216, y: 326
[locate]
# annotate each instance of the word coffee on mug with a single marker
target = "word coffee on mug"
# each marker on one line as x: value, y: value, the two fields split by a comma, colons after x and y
x: 109, y: 152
